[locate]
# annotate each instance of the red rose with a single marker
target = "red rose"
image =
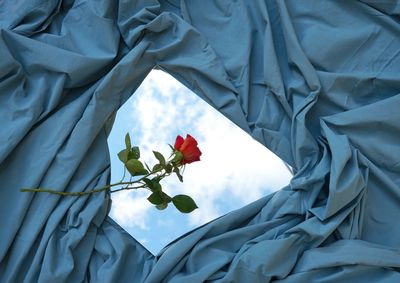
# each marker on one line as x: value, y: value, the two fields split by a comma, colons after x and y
x: 188, y: 148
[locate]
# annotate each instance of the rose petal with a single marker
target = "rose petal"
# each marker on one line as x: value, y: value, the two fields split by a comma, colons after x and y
x: 178, y: 142
x: 191, y: 153
x: 189, y: 141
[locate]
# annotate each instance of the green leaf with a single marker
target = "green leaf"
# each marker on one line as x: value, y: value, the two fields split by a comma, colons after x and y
x: 147, y: 182
x: 153, y: 184
x: 134, y: 153
x: 135, y: 167
x: 157, y: 167
x: 162, y: 206
x: 159, y: 157
x: 184, y: 203
x: 123, y: 155
x: 178, y: 174
x: 168, y: 168
x: 143, y: 172
x: 128, y: 141
x: 156, y: 198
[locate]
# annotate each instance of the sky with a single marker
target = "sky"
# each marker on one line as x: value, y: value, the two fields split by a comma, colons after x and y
x: 234, y: 169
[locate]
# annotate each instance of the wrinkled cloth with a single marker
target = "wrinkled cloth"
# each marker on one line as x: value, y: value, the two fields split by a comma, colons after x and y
x: 317, y: 82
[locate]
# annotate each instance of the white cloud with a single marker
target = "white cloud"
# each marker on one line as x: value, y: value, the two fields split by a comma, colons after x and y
x: 234, y: 167
x: 130, y: 209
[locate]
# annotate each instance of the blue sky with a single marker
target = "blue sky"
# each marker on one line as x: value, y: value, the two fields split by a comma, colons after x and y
x: 235, y: 170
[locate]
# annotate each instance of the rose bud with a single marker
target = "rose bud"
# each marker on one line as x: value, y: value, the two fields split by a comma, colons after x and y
x: 188, y: 149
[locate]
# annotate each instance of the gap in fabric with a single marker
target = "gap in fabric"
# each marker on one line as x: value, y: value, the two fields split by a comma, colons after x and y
x: 234, y: 169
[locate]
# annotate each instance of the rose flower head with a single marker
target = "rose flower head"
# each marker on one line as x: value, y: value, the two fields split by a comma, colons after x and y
x: 188, y: 148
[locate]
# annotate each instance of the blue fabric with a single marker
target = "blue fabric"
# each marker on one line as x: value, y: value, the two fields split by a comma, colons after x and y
x: 317, y: 82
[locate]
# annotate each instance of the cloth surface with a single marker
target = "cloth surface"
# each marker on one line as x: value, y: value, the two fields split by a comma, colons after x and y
x: 317, y: 82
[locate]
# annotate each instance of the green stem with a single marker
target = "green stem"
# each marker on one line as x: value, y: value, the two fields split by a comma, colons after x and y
x: 128, y: 188
x: 107, y: 187
x: 104, y: 188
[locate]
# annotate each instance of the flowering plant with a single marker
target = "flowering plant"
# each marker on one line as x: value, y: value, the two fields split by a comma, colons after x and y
x: 185, y: 151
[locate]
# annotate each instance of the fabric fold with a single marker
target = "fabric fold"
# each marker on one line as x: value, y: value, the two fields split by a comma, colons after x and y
x: 314, y: 82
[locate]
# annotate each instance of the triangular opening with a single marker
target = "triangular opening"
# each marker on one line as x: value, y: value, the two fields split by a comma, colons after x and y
x: 235, y: 170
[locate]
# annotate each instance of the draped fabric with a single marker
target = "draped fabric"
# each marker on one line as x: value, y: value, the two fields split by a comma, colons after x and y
x: 317, y: 82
